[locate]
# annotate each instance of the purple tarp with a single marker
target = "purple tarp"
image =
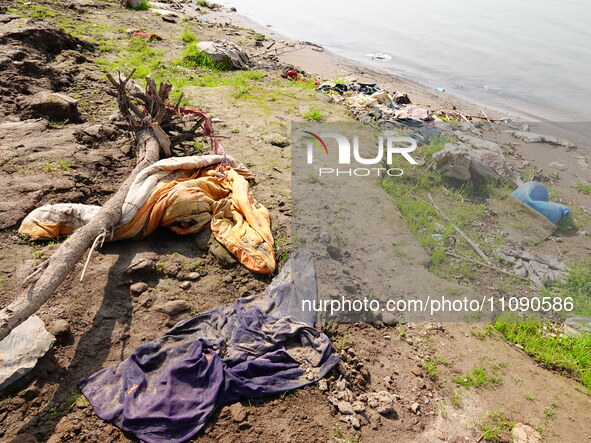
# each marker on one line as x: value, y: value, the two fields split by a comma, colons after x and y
x: 166, y: 389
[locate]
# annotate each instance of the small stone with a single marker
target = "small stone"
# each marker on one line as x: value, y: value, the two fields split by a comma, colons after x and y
x: 437, y: 433
x: 194, y: 276
x: 345, y: 407
x: 145, y: 300
x: 334, y: 252
x: 523, y: 433
x: 323, y: 385
x: 176, y: 307
x: 228, y: 278
x: 142, y: 263
x: 415, y: 407
x: 59, y: 327
x: 224, y: 258
x: 138, y: 288
x: 186, y: 285
x: 558, y: 165
x: 277, y: 140
x: 238, y: 412
x: 387, y: 337
x: 426, y: 400
x: 358, y: 406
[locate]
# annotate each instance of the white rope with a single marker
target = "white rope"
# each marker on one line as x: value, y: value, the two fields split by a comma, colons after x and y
x: 101, y: 237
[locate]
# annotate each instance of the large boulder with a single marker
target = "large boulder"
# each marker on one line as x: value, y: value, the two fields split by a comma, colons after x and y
x: 225, y: 52
x: 52, y: 105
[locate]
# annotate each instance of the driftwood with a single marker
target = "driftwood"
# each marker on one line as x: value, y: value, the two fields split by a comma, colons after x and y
x: 158, y: 127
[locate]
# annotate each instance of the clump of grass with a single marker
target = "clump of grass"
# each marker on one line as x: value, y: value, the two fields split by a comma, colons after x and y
x: 585, y: 188
x: 479, y: 377
x: 282, y: 248
x: 496, y: 427
x: 188, y: 36
x: 569, y: 355
x: 193, y: 56
x: 313, y: 114
x: 431, y: 368
x: 144, y: 5
x: 204, y: 4
x: 138, y: 55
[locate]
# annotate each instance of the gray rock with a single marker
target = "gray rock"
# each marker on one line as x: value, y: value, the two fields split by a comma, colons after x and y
x: 59, y: 327
x: 176, y: 307
x: 53, y: 106
x: 523, y: 433
x: 345, y: 407
x: 142, y: 263
x: 138, y: 288
x: 358, y: 406
x: 381, y: 401
x: 334, y: 252
x: 224, y: 258
x: 194, y: 276
x: 277, y: 140
x: 185, y: 285
x: 558, y: 165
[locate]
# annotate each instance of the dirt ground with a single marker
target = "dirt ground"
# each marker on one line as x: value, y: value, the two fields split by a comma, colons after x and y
x: 84, y: 161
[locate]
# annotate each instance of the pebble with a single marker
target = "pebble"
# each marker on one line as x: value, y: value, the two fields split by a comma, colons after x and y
x: 176, y: 307
x: 138, y: 288
x: 59, y: 327
x: 194, y: 276
x: 415, y: 407
x: 323, y: 385
x: 185, y: 285
x: 345, y: 407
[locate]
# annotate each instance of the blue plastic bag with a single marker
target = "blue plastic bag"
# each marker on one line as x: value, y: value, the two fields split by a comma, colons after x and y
x: 535, y: 195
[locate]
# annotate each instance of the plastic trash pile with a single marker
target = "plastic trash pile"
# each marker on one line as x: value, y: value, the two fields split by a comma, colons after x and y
x: 368, y: 102
x: 184, y: 194
x: 255, y: 347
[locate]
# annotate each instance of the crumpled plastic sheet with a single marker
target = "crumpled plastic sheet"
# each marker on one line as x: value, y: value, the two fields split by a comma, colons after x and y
x: 21, y: 349
x: 255, y: 347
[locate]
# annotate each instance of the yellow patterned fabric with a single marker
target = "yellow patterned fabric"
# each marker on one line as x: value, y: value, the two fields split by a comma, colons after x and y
x: 185, y: 195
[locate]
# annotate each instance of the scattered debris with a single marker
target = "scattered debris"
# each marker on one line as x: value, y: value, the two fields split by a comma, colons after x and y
x: 537, y: 267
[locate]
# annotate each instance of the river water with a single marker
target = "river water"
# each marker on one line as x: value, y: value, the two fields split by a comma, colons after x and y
x: 530, y: 57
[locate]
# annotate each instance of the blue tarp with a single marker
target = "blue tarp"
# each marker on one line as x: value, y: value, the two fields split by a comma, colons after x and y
x: 255, y: 347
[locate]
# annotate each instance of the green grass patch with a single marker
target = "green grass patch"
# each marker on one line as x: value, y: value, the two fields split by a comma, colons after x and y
x: 584, y: 188
x: 496, y: 427
x: 188, y: 36
x: 568, y: 355
x: 313, y: 114
x: 479, y: 377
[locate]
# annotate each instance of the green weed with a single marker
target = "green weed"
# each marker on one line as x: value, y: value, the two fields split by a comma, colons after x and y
x: 313, y: 114
x: 479, y: 377
x: 496, y: 427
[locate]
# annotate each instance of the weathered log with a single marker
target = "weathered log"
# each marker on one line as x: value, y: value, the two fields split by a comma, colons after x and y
x: 150, y: 141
